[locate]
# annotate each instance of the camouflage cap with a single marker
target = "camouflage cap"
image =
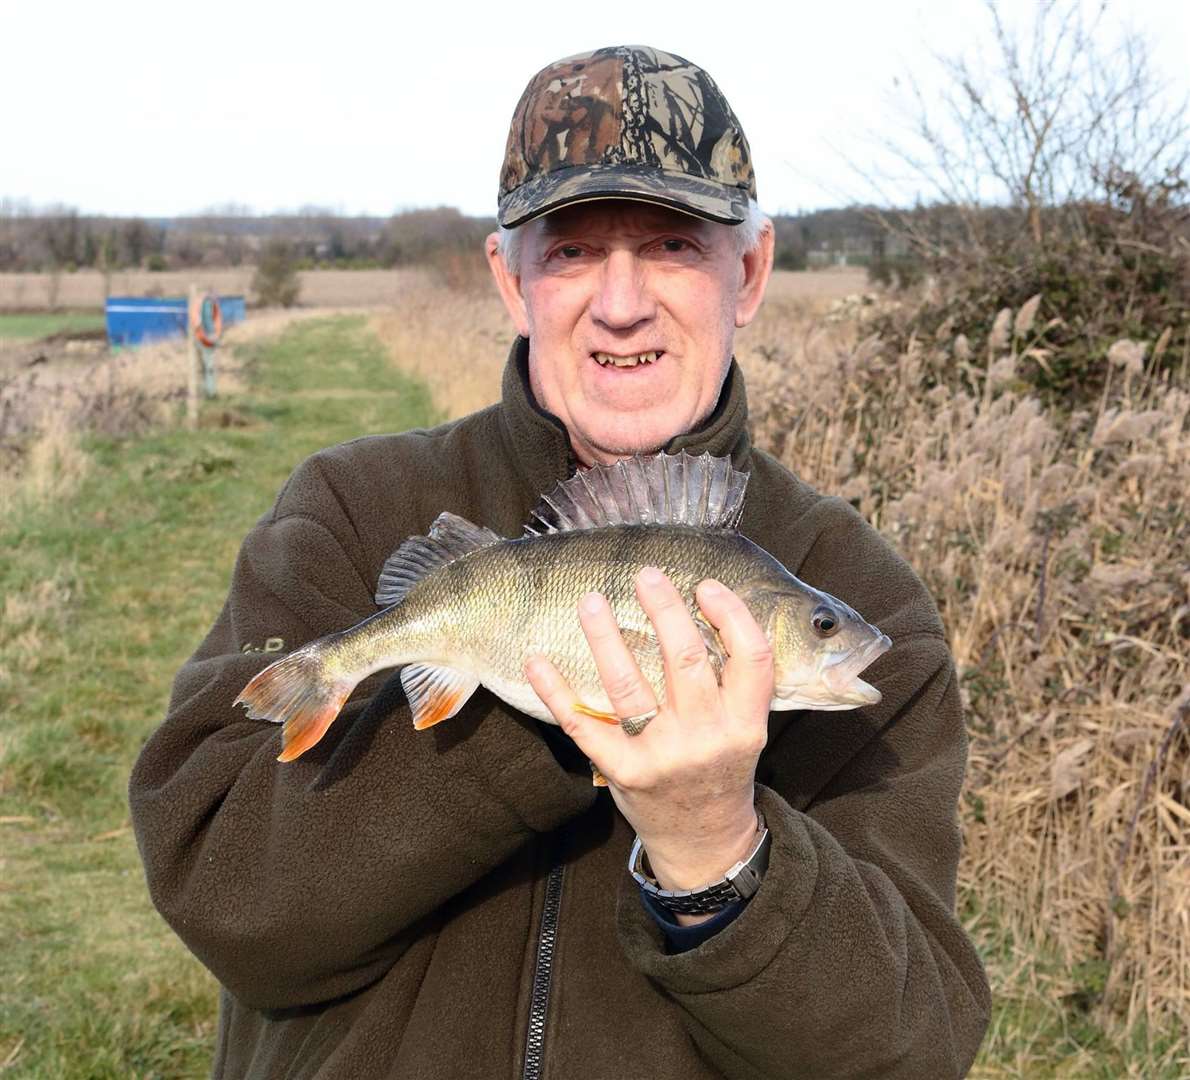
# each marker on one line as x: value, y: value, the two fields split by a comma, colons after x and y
x: 627, y: 122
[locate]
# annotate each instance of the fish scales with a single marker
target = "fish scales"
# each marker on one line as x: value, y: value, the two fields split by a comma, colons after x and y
x: 463, y: 607
x: 492, y: 608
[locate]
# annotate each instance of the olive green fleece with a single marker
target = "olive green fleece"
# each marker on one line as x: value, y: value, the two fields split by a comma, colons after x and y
x: 371, y: 910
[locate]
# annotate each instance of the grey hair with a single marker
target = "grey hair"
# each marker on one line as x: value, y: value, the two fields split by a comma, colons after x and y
x: 747, y: 235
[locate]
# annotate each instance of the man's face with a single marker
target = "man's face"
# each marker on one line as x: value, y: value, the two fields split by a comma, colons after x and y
x: 659, y: 291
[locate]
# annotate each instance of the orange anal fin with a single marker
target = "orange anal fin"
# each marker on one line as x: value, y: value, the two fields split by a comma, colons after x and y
x: 586, y: 710
x: 435, y: 693
x: 597, y: 778
x: 435, y: 708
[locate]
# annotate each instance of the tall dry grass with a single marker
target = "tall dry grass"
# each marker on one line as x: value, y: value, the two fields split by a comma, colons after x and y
x: 454, y: 340
x: 1058, y: 549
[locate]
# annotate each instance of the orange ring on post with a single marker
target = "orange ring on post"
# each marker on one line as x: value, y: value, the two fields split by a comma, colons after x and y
x: 198, y: 322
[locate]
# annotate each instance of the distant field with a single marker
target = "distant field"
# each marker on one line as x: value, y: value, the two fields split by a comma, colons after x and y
x: 33, y: 325
x: 320, y: 288
x: 86, y: 288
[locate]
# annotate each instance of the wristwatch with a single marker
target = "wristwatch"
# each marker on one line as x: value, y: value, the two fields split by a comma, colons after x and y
x: 739, y: 883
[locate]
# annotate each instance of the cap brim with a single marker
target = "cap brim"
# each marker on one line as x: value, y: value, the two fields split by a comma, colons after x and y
x: 703, y: 198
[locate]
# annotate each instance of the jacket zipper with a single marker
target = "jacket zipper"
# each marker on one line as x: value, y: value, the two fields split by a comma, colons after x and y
x: 539, y: 1003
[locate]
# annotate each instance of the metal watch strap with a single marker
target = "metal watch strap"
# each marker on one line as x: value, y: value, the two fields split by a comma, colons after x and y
x: 739, y: 883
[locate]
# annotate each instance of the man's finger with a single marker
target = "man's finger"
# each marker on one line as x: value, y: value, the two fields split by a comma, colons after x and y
x: 748, y: 673
x: 690, y: 681
x: 627, y: 690
x: 593, y: 737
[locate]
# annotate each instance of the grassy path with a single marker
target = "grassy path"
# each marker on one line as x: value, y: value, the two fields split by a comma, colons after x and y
x: 104, y: 597
x: 31, y: 325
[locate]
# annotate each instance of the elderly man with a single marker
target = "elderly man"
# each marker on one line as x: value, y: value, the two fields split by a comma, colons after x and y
x: 458, y: 903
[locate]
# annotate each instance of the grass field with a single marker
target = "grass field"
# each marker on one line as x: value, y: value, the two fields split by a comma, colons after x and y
x: 31, y: 325
x: 101, y: 607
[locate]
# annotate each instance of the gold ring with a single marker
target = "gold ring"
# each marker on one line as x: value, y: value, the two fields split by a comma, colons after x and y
x: 634, y: 725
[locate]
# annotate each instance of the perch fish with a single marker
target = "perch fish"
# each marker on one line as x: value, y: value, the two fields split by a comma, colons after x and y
x: 464, y: 607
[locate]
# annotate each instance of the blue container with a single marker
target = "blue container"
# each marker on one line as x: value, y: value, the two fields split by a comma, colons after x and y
x: 233, y: 308
x: 136, y: 320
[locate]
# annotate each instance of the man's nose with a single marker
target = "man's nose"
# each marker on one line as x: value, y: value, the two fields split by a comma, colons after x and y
x: 622, y: 298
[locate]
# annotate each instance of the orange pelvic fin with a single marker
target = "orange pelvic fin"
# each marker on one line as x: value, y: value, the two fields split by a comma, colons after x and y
x: 436, y: 693
x: 586, y: 710
x: 296, y: 692
x: 597, y: 778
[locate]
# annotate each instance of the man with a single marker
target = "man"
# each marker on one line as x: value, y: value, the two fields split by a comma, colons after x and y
x: 457, y: 902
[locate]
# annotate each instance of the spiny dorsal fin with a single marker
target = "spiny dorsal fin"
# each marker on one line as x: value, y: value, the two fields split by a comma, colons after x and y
x: 450, y: 536
x: 661, y: 489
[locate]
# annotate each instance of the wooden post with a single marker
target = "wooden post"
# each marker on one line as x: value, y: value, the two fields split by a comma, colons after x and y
x: 192, y: 362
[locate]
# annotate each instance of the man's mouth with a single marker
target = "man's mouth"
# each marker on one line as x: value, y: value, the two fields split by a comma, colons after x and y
x: 611, y: 360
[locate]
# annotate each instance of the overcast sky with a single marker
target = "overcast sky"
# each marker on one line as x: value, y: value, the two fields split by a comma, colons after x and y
x: 158, y: 109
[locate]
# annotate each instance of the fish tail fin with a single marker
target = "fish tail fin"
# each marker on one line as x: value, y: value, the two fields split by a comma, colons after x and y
x: 298, y: 692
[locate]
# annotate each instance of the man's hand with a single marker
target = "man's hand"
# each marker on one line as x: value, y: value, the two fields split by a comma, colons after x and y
x: 686, y: 783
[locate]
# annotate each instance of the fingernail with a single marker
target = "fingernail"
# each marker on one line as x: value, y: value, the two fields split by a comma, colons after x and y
x: 590, y: 603
x: 650, y: 575
x: 711, y: 587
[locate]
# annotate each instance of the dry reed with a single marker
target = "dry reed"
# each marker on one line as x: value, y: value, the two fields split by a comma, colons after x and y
x: 1058, y: 549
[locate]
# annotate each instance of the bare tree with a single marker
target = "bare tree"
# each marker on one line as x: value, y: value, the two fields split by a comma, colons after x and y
x: 1045, y: 119
x: 1055, y: 163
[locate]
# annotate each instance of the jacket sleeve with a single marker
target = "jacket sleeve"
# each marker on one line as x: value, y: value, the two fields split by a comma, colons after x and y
x: 298, y: 883
x: 849, y: 960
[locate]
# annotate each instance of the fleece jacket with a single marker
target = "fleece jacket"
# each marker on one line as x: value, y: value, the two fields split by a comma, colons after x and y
x: 372, y: 909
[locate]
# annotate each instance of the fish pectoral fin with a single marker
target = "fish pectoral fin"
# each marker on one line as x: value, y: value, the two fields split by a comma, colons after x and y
x: 436, y: 693
x: 715, y: 651
x: 643, y: 644
x: 597, y: 778
x: 598, y: 714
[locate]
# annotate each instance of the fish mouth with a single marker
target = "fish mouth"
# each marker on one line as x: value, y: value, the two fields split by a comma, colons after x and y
x: 833, y: 683
x: 841, y: 676
x: 628, y: 360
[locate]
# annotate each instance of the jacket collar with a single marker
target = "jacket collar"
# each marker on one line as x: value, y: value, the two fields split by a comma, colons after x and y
x: 537, y: 443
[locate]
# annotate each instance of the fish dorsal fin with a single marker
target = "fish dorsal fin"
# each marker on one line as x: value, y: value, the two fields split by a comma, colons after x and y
x: 450, y: 537
x: 660, y: 489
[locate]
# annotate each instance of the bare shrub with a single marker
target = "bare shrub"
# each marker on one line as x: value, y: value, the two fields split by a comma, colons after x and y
x: 1056, y: 166
x: 275, y: 282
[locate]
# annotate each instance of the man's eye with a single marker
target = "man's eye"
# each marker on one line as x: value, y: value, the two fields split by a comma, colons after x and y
x: 570, y: 251
x: 673, y: 244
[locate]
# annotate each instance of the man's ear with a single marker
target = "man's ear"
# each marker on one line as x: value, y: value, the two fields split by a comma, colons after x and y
x: 758, y: 267
x: 508, y: 283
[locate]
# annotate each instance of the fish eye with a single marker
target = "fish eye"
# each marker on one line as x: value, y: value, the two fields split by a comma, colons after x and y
x: 825, y: 620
